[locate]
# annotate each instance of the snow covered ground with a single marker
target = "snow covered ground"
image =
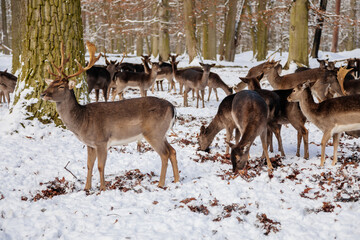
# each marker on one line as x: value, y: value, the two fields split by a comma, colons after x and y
x: 43, y: 169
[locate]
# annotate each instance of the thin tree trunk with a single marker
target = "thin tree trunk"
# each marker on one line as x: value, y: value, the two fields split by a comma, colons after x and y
x: 164, y: 38
x: 262, y: 32
x: 190, y: 26
x: 212, y: 30
x: 17, y: 28
x: 5, y: 40
x: 48, y: 23
x: 155, y: 36
x: 252, y: 29
x: 205, y: 32
x: 318, y: 30
x: 350, y: 42
x: 229, y: 34
x: 139, y: 39
x: 335, y: 38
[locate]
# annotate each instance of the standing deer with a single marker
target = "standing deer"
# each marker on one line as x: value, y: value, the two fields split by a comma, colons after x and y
x: 7, y: 85
x: 332, y: 116
x: 223, y: 119
x: 140, y: 80
x: 102, y: 125
x: 250, y: 114
x: 215, y: 82
x: 98, y: 78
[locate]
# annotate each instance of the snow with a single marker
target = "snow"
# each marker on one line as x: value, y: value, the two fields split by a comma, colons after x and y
x: 308, y: 201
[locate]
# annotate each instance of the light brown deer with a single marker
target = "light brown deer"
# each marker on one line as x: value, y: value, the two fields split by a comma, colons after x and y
x: 215, y: 82
x: 102, y: 125
x: 250, y: 114
x: 332, y: 116
x: 140, y: 80
x: 223, y: 119
x: 7, y: 85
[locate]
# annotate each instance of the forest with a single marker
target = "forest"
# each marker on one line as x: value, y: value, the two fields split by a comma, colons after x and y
x: 179, y: 119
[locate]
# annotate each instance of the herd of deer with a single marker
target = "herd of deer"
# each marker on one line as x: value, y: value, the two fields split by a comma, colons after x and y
x: 251, y: 113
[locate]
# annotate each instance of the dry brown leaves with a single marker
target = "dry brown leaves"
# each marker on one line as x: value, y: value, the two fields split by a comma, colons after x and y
x: 53, y: 188
x: 268, y: 224
x: 130, y: 180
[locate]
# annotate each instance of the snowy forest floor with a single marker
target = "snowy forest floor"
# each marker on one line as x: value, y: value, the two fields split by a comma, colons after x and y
x: 43, y: 170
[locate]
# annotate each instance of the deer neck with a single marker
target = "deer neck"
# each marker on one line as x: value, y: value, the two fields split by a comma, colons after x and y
x: 307, y: 103
x: 274, y: 78
x: 70, y: 111
x: 205, y: 78
x: 214, y: 128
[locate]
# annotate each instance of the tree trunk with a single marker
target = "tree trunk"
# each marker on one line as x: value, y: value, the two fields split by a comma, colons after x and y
x: 164, y: 39
x: 205, y: 32
x: 190, y: 26
x: 212, y: 30
x: 350, y: 42
x: 139, y: 40
x: 252, y: 29
x: 318, y: 30
x: 5, y: 39
x: 298, y: 41
x: 262, y: 32
x: 48, y: 23
x: 155, y: 36
x: 18, y: 12
x: 229, y: 34
x: 335, y: 38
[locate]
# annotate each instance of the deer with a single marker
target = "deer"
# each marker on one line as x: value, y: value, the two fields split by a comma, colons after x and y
x: 196, y: 81
x: 7, y: 85
x: 104, y: 124
x: 143, y: 81
x: 331, y: 116
x: 223, y: 119
x: 215, y: 82
x: 250, y: 113
x: 98, y: 78
x: 256, y: 71
x: 348, y: 86
x: 289, y: 113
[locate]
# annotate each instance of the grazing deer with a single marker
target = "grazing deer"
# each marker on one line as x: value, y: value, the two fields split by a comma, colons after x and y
x: 256, y: 71
x: 289, y: 113
x: 7, y: 85
x: 332, y: 116
x: 223, y: 119
x: 98, y: 78
x: 102, y: 125
x: 215, y: 82
x: 250, y: 114
x: 141, y: 80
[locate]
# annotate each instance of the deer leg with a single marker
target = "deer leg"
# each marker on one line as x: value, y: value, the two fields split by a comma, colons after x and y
x: 305, y: 136
x: 299, y: 137
x: 269, y: 141
x: 153, y: 87
x: 172, y: 156
x: 161, y: 85
x: 336, y: 137
x: 203, y: 97
x: 276, y: 129
x: 217, y: 97
x: 101, y: 152
x: 91, y: 156
x: 97, y: 91
x: 228, y: 139
x: 197, y: 97
x: 142, y: 92
x: 105, y: 93
x: 209, y: 93
x: 237, y: 135
x: 324, y: 140
x: 263, y: 137
x: 186, y: 91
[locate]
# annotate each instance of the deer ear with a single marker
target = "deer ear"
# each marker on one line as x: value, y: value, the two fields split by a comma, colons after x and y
x: 201, y: 64
x: 72, y: 84
x: 202, y: 129
x: 48, y: 81
x: 244, y: 79
x: 260, y: 76
x: 231, y: 145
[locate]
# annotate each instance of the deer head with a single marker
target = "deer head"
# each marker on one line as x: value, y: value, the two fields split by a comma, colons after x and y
x: 63, y: 82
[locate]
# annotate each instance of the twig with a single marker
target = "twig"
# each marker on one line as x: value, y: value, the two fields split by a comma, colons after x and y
x: 69, y: 170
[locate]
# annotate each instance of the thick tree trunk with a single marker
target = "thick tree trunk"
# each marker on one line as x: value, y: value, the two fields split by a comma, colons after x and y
x: 335, y: 38
x: 164, y: 38
x: 262, y: 32
x: 139, y: 39
x: 229, y: 34
x: 18, y: 12
x: 350, y: 42
x: 318, y: 30
x: 47, y: 24
x: 190, y: 26
x: 5, y: 39
x: 212, y: 30
x: 298, y: 42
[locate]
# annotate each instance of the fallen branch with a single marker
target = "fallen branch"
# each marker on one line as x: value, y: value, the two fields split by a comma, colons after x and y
x: 69, y: 170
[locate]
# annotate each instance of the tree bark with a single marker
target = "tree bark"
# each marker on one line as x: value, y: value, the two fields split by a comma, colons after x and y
x: 139, y: 40
x: 262, y: 32
x: 298, y: 41
x: 229, y: 34
x: 190, y: 27
x: 48, y: 23
x: 335, y: 38
x: 155, y: 36
x: 252, y: 29
x: 318, y: 30
x: 205, y: 32
x: 350, y: 42
x: 164, y: 38
x: 5, y: 40
x: 212, y: 30
x: 18, y: 12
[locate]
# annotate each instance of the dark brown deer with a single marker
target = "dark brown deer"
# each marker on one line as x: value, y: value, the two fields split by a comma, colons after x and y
x: 101, y: 125
x: 250, y: 114
x: 98, y: 78
x: 140, y: 80
x: 348, y: 86
x: 112, y: 67
x: 223, y: 119
x: 289, y: 113
x: 7, y: 85
x: 215, y: 82
x: 332, y: 116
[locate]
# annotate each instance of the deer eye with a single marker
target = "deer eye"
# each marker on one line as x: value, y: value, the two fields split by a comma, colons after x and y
x: 61, y: 87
